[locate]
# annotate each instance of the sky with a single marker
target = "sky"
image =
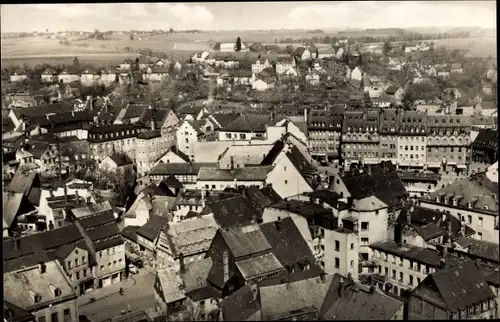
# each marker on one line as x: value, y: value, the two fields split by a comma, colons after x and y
x: 247, y: 15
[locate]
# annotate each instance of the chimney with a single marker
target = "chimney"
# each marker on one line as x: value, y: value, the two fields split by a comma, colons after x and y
x: 322, y: 277
x: 232, y: 163
x: 278, y: 223
x: 182, y: 268
x: 305, y: 115
x: 152, y: 124
x: 43, y: 268
x: 350, y: 202
x: 341, y: 287
x: 445, y: 251
x: 89, y: 99
x: 225, y: 263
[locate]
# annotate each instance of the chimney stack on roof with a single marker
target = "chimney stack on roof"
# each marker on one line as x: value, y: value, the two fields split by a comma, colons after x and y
x: 278, y: 224
x: 225, y: 263
x: 341, y: 287
x: 182, y: 267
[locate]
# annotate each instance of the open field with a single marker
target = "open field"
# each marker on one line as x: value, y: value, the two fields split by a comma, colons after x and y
x: 477, y: 47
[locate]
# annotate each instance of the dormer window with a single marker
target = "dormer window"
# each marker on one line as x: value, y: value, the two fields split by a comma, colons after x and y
x: 57, y: 292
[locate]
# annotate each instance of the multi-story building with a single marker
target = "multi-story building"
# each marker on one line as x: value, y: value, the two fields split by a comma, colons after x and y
x: 187, y: 134
x: 389, y: 130
x: 412, y: 139
x: 105, y: 140
x: 448, y: 141
x: 473, y: 200
x: 324, y: 129
x: 360, y: 137
x: 43, y: 290
x: 420, y: 183
x: 151, y: 146
x: 284, y: 64
x: 435, y: 297
x: 485, y: 147
x: 403, y: 266
x: 76, y: 262
x: 260, y: 65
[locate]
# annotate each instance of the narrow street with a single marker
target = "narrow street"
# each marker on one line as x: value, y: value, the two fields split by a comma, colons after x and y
x: 109, y: 303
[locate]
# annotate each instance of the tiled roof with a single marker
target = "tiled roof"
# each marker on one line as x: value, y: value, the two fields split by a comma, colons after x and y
x: 157, y: 114
x: 98, y: 220
x: 152, y: 228
x: 42, y: 110
x: 422, y: 255
x: 261, y: 197
x: 258, y: 173
x: 357, y: 302
x: 121, y: 159
x: 245, y: 240
x: 102, y: 232
x: 223, y: 119
x: 170, y: 182
x: 14, y: 313
x: 18, y: 286
x: 11, y: 204
x: 192, y: 236
x: 484, y: 249
x: 92, y: 209
x: 258, y: 266
x: 176, y: 168
x: 171, y: 285
x: 248, y: 123
x: 385, y: 185
x: 284, y: 298
x: 305, y: 168
x: 476, y: 189
x: 130, y: 232
x: 303, y: 208
x: 233, y: 211
x: 240, y: 305
x: 459, y: 287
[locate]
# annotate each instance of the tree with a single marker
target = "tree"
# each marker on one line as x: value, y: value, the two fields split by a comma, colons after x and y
x: 131, y: 36
x: 171, y: 30
x: 386, y: 49
x: 238, y: 44
x: 76, y: 63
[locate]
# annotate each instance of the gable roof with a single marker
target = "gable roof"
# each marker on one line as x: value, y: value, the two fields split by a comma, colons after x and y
x: 357, y: 302
x: 240, y: 305
x: 233, y: 211
x: 121, y: 159
x: 458, y: 287
x: 383, y: 183
x: 305, y: 168
x: 248, y: 123
x: 245, y: 240
x: 261, y: 197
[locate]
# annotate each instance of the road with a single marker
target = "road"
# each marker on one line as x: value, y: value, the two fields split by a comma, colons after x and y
x: 139, y: 294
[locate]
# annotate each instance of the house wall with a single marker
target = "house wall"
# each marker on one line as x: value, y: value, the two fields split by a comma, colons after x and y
x: 260, y: 85
x: 102, y: 150
x: 47, y: 78
x: 412, y: 150
x: 399, y: 272
x: 239, y: 136
x: 484, y: 231
x: 201, y: 309
x: 110, y: 263
x: 141, y: 214
x: 347, y: 254
x: 66, y: 79
x: 181, y: 211
x: 186, y: 137
x: 356, y: 74
x: 286, y: 179
x: 59, y: 309
x: 282, y: 68
x: 18, y: 78
x: 80, y: 269
x: 148, y: 151
x: 272, y: 214
x: 377, y: 228
x: 258, y: 67
x: 454, y: 149
x: 171, y: 157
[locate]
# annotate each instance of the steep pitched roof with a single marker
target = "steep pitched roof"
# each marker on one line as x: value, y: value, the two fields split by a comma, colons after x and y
x: 233, y: 211
x: 384, y: 184
x: 305, y: 168
x: 245, y: 240
x: 248, y: 123
x: 240, y: 305
x: 357, y: 302
x: 457, y: 288
x: 121, y: 159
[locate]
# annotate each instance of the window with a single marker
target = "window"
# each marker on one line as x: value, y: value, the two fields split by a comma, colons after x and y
x: 114, y: 263
x: 352, y: 264
x: 286, y: 181
x: 84, y: 273
x: 393, y: 274
x: 41, y: 319
x: 401, y: 276
x: 53, y: 317
x: 337, y: 262
x: 352, y: 245
x: 70, y: 277
x: 469, y: 219
x: 100, y: 254
x: 70, y: 265
x: 365, y: 225
x: 76, y: 262
x: 480, y: 236
x: 102, y: 267
x: 386, y: 271
x: 418, y: 280
x: 84, y: 260
x: 411, y: 280
x: 109, y: 264
x: 480, y: 219
x: 187, y: 140
x: 337, y: 245
x: 364, y: 241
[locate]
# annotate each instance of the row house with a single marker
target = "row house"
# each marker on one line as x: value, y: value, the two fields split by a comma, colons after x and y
x: 67, y: 77
x: 360, y: 136
x: 18, y: 76
x: 389, y: 129
x: 473, y: 201
x: 324, y: 129
x: 412, y: 137
x: 105, y: 140
x: 403, y: 267
x: 448, y: 141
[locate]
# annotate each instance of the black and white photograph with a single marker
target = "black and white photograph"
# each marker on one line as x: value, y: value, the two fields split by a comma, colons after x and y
x: 250, y: 161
